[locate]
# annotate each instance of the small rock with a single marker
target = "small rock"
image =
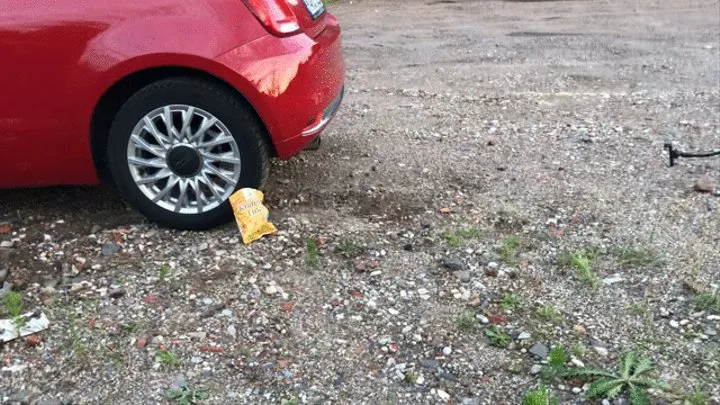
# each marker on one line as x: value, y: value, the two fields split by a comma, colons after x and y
x: 417, y: 338
x: 471, y: 401
x: 198, y: 335
x: 493, y: 265
x: 577, y: 363
x: 606, y: 402
x: 710, y: 329
x: 140, y: 343
x: 22, y: 397
x: 482, y: 318
x: 6, y: 288
x: 110, y: 249
x: 452, y: 264
x: 601, y: 351
x: 116, y: 293
x: 674, y: 324
x: 524, y: 336
x: 576, y: 390
x: 33, y: 340
x: 443, y: 395
x: 539, y: 350
x: 227, y: 312
x: 6, y: 244
x: 684, y: 322
x: 3, y: 274
x: 47, y: 238
x: 705, y: 184
x: 95, y: 229
x: 447, y: 350
x: 196, y: 360
x: 430, y: 364
x: 664, y: 312
x: 579, y: 329
x: 271, y: 289
x: 613, y: 279
x: 420, y: 380
x: 535, y: 369
x: 231, y: 330
x: 462, y: 276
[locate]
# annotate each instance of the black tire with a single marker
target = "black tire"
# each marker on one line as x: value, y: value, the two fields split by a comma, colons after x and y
x: 223, y: 103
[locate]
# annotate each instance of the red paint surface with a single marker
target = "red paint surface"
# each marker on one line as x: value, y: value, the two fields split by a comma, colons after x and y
x: 60, y: 56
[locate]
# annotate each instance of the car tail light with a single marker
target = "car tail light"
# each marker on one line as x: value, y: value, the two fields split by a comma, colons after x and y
x: 275, y: 15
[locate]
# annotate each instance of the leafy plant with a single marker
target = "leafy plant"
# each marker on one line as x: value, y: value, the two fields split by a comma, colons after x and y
x: 313, y: 255
x: 164, y: 272
x: 466, y: 321
x: 508, y: 250
x: 556, y: 364
x: 350, y: 249
x: 498, y: 337
x: 184, y: 395
x: 698, y: 396
x: 167, y: 358
x: 539, y: 396
x: 13, y: 306
x: 410, y: 377
x: 510, y: 301
x: 629, y: 377
x: 454, y: 238
x: 707, y: 301
x: 548, y: 313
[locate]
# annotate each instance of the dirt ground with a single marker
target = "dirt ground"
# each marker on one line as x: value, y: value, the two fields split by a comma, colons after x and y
x: 494, y: 186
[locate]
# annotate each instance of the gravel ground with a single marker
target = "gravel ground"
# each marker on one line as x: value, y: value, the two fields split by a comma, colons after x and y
x: 497, y: 166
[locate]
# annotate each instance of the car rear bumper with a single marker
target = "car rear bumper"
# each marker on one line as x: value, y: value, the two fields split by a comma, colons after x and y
x: 295, y: 84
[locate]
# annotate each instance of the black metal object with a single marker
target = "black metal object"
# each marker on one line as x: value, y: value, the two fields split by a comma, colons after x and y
x: 674, y: 154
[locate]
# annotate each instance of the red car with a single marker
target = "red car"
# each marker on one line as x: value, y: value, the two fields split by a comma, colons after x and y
x: 177, y: 103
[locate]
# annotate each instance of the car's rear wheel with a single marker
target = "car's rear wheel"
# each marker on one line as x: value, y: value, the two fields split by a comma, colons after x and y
x: 180, y: 147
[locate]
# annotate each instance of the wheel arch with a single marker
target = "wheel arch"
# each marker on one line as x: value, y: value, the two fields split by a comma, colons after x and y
x: 121, y: 90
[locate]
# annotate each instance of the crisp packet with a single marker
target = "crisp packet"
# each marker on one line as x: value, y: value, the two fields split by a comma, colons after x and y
x: 251, y: 215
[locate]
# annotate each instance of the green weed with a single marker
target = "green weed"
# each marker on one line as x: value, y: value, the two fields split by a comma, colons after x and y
x: 167, y: 358
x: 466, y: 321
x: 630, y: 378
x: 185, y: 395
x: 548, y: 313
x: 498, y: 337
x: 508, y: 250
x: 13, y: 306
x: 510, y: 301
x: 539, y: 396
x: 313, y: 254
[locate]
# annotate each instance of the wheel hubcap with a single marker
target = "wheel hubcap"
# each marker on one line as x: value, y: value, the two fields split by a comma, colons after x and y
x: 184, y: 159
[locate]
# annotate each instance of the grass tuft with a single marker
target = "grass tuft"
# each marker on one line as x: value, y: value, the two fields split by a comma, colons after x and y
x: 313, y: 254
x: 466, y: 322
x: 508, y: 250
x: 581, y: 261
x: 539, y: 396
x: 13, y: 306
x: 548, y: 313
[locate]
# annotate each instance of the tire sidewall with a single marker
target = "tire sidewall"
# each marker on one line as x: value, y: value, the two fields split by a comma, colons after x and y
x: 243, y: 127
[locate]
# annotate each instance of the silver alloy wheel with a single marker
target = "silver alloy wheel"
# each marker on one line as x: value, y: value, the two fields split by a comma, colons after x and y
x: 183, y: 159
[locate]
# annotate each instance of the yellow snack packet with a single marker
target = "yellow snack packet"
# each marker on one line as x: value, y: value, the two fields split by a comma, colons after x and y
x: 251, y: 215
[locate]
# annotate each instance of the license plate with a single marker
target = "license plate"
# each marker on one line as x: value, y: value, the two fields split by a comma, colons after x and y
x: 315, y: 7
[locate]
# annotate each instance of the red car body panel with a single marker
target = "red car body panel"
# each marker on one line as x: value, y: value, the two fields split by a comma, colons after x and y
x: 59, y: 57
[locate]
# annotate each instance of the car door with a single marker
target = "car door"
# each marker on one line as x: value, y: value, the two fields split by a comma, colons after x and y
x: 42, y: 139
